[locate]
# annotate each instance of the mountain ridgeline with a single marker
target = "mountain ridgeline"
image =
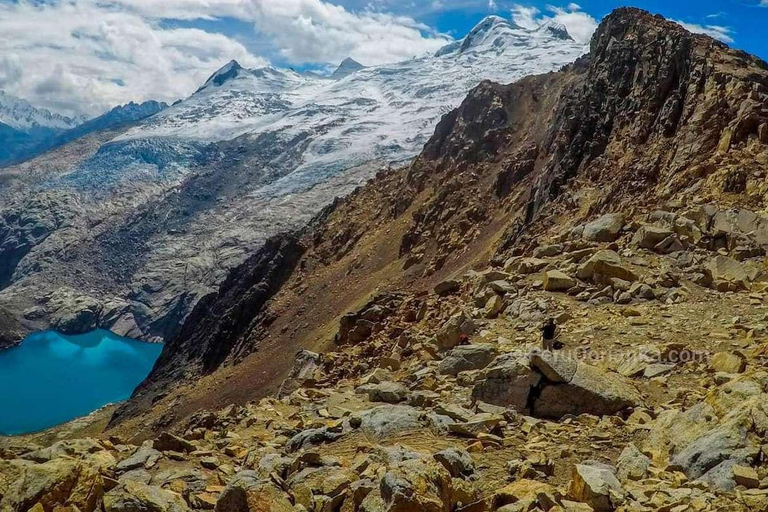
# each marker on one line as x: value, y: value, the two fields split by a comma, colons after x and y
x: 652, y: 114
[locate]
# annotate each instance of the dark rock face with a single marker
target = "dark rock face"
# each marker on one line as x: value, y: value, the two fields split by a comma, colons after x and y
x: 11, y: 331
x: 222, y: 321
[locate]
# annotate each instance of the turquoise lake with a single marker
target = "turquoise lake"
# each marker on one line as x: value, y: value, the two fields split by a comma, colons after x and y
x: 51, y: 378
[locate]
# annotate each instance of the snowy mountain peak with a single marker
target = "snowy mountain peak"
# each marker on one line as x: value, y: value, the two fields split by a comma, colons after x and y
x: 230, y: 70
x: 21, y: 115
x: 347, y: 67
x: 555, y: 29
x: 490, y: 30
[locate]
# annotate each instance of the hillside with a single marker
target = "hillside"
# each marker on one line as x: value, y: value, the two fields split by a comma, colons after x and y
x: 387, y: 356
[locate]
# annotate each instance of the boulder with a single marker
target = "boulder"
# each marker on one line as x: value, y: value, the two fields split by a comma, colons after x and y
x: 528, y: 265
x: 648, y: 237
x: 728, y: 362
x: 133, y: 496
x: 554, y: 367
x: 305, y: 372
x: 169, y: 442
x: 458, y: 462
x: 589, y: 391
x: 604, y: 229
x: 60, y: 482
x: 605, y: 265
x: 493, y: 307
x: 556, y: 281
x: 248, y: 492
x: 597, y: 486
x: 417, y: 485
x: 387, y: 392
x: 507, y: 382
x: 447, y: 287
x: 632, y: 464
x: 467, y: 357
x: 145, y: 457
x: 725, y: 269
x: 450, y: 333
x: 389, y: 420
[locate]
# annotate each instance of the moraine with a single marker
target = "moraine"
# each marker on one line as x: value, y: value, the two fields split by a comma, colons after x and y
x: 51, y: 378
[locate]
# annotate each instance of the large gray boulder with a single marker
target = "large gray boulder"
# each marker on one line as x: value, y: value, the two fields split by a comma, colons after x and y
x: 604, y: 229
x: 467, y: 357
x: 589, y: 391
x: 507, y: 382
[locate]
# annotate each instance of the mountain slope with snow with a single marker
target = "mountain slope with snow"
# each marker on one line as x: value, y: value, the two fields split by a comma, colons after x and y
x: 153, y: 221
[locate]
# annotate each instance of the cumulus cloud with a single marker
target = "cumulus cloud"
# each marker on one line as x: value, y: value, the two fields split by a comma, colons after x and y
x: 108, y: 52
x: 81, y: 57
x: 314, y: 31
x: 579, y: 24
x: 724, y: 34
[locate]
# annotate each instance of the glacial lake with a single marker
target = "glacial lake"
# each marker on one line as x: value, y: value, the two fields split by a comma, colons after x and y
x: 51, y: 378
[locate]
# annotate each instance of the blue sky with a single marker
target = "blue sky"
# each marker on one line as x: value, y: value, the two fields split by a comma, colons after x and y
x: 81, y: 57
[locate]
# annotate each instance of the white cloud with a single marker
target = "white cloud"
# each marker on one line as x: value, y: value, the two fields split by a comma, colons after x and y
x: 724, y: 34
x: 82, y: 57
x: 314, y: 31
x: 580, y: 25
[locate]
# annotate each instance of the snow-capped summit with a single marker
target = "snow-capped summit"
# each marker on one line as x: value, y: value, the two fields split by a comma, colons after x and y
x: 21, y: 115
x: 230, y: 70
x: 555, y: 29
x: 347, y: 67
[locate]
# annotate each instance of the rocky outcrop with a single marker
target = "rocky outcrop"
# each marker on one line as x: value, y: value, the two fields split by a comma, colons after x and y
x: 221, y: 323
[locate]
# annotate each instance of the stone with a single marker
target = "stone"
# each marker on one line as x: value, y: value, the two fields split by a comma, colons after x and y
x: 632, y: 464
x: 458, y: 462
x: 556, y: 281
x: 467, y: 357
x: 447, y: 287
x: 725, y: 269
x: 597, y: 486
x: 493, y: 307
x: 507, y: 382
x: 145, y: 457
x: 642, y: 291
x: 57, y: 483
x: 388, y: 420
x: 169, y: 442
x: 416, y: 485
x: 387, y: 392
x: 305, y: 370
x: 604, y: 229
x: 589, y: 391
x: 448, y: 336
x: 548, y: 251
x: 648, y: 237
x: 248, y: 492
x: 133, y: 496
x: 554, y: 367
x: 728, y: 362
x: 604, y: 265
x: 746, y: 476
x: 530, y: 265
x: 525, y: 491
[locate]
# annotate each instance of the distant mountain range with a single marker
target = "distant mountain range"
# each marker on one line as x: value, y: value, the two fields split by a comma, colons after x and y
x: 26, y: 130
x: 128, y: 230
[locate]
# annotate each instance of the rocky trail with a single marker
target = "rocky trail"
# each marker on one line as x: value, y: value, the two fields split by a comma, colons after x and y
x: 389, y: 357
